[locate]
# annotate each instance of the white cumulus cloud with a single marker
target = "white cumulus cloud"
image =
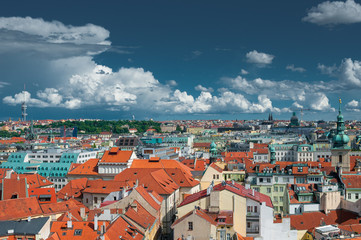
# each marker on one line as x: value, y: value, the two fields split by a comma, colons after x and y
x: 348, y: 73
x: 56, y: 32
x: 203, y: 89
x: 295, y: 69
x: 259, y: 57
x: 335, y: 12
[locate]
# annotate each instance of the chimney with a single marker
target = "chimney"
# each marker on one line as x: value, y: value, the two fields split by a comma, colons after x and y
x: 69, y: 224
x: 102, y: 229
x: 82, y: 213
x: 29, y: 219
x: 95, y: 222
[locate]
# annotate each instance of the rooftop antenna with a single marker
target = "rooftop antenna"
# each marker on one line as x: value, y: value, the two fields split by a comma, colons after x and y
x: 24, y: 107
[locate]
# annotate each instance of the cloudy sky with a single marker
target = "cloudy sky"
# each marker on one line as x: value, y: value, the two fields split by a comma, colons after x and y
x: 180, y: 59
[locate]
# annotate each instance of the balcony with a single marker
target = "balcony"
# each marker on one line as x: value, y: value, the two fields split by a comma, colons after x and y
x: 252, y: 230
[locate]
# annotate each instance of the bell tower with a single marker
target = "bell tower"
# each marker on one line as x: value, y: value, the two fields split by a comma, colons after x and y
x: 340, y: 151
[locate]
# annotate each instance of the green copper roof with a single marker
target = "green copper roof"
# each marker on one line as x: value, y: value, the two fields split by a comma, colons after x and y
x: 340, y: 140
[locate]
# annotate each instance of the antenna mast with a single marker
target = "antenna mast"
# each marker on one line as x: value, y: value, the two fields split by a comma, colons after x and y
x: 24, y: 107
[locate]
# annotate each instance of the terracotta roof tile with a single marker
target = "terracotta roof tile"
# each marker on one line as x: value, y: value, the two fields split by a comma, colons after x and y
x: 123, y: 228
x: 351, y: 181
x: 90, y: 167
x: 43, y: 193
x: 236, y: 189
x: 79, y: 230
x: 116, y: 155
x: 152, y: 179
x: 199, y: 212
x: 140, y: 215
x: 59, y: 207
x: 14, y: 188
x: 20, y: 208
x: 309, y: 220
x: 156, y: 204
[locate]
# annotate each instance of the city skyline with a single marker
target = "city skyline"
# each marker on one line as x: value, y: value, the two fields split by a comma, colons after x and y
x: 180, y: 60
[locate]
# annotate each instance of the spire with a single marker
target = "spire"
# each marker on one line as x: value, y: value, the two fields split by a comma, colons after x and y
x: 340, y: 140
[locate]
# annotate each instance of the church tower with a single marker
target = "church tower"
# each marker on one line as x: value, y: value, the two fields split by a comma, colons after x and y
x: 213, y: 152
x: 340, y: 152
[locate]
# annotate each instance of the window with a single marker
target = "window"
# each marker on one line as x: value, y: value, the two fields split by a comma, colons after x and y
x: 268, y: 180
x: 268, y: 190
x: 299, y: 169
x: 281, y: 199
x: 276, y: 179
x: 261, y: 180
x: 248, y: 225
x: 356, y: 195
x: 281, y: 189
x: 217, y: 176
x: 77, y: 232
x: 228, y: 236
x: 300, y: 180
x: 95, y: 200
x: 349, y: 195
x: 14, y: 196
x: 281, y: 208
x: 214, y: 176
x: 275, y: 199
x: 286, y: 179
x: 275, y: 189
x: 340, y: 158
x: 255, y: 209
x: 190, y: 226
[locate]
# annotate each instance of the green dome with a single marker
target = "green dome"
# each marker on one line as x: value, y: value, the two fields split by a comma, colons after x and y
x: 294, y: 120
x: 341, y: 140
x: 213, y: 145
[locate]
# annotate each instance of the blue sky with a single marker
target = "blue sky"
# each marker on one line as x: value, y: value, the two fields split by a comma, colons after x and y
x: 180, y: 59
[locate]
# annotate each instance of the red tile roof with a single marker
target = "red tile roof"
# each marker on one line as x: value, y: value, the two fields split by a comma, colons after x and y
x: 123, y: 228
x: 85, y: 230
x: 90, y: 167
x: 351, y: 180
x: 152, y: 179
x: 14, y: 188
x: 199, y: 212
x: 41, y: 193
x: 59, y: 207
x: 116, y: 155
x: 200, y: 165
x: 234, y: 188
x: 34, y: 180
x: 160, y: 163
x: 3, y: 172
x: 103, y: 187
x: 181, y: 178
x: 216, y: 167
x: 73, y: 189
x: 13, y: 209
x: 140, y: 215
x: 148, y: 197
x: 309, y: 220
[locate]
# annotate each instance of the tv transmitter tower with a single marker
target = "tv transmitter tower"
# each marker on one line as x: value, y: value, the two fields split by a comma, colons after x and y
x: 24, y: 107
